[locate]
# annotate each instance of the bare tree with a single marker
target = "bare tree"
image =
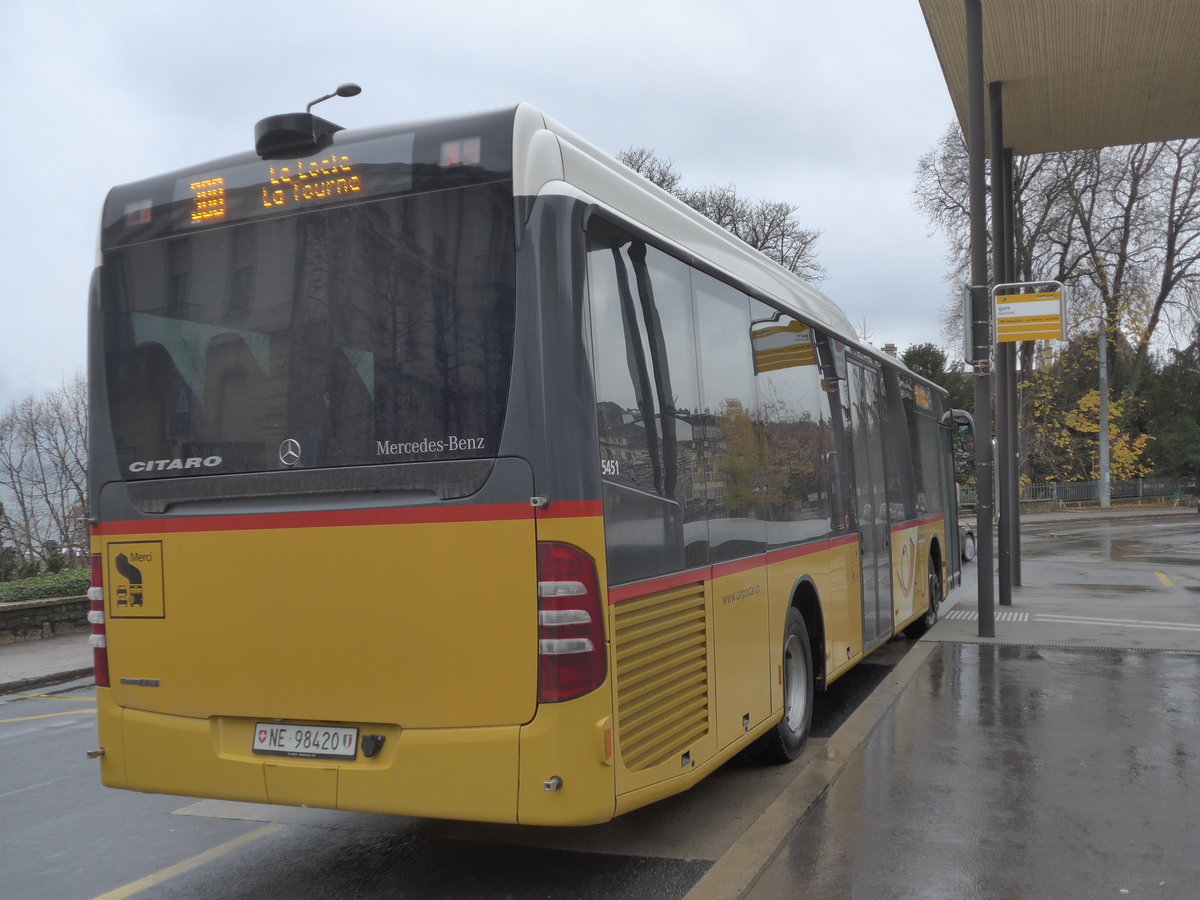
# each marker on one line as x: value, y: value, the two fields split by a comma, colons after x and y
x: 653, y: 168
x: 1173, y: 199
x: 1120, y: 224
x: 1046, y: 246
x: 43, y: 471
x: 769, y: 226
x: 23, y: 517
x: 865, y: 334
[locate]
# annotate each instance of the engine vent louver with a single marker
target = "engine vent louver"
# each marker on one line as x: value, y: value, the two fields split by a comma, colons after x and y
x: 662, y: 676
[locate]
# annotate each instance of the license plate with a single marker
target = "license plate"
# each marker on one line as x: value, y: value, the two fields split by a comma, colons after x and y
x: 313, y: 741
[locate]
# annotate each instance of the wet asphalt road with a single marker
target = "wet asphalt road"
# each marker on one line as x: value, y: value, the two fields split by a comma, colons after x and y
x: 1030, y: 771
x: 1154, y: 542
x: 1014, y: 772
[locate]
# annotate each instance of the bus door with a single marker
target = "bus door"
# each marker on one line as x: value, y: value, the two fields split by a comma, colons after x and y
x: 870, y: 484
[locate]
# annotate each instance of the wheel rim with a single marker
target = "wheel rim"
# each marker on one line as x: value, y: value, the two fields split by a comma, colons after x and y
x: 969, y: 546
x: 795, y: 684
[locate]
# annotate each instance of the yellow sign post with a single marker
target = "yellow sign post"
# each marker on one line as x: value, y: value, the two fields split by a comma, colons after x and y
x: 1033, y: 311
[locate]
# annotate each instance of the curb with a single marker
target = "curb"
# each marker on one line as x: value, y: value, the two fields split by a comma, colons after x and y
x: 22, y: 684
x: 739, y: 868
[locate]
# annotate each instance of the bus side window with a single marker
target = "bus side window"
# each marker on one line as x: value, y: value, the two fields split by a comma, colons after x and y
x: 735, y: 486
x: 899, y: 424
x: 644, y: 360
x: 831, y: 359
x: 799, y: 492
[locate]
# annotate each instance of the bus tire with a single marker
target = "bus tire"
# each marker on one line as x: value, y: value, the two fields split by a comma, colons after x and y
x: 927, y: 621
x: 785, y: 741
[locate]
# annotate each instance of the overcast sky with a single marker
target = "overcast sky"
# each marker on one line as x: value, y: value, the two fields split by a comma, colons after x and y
x: 824, y: 104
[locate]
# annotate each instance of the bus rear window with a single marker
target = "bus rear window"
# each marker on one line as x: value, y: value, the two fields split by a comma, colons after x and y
x: 372, y: 333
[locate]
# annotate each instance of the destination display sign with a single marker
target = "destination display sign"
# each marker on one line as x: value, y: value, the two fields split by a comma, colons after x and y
x: 357, y: 171
x: 352, y: 168
x: 242, y: 190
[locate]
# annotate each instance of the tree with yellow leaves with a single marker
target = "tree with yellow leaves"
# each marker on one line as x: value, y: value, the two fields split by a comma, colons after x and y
x: 739, y: 456
x: 1074, y: 434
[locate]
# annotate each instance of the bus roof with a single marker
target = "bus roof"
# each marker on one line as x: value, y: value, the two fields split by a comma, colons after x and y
x: 546, y: 154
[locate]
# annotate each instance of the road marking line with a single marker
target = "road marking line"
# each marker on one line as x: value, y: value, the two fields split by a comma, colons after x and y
x: 970, y: 615
x: 1149, y: 622
x: 1124, y: 623
x: 187, y: 865
x: 69, y: 712
x: 1164, y: 579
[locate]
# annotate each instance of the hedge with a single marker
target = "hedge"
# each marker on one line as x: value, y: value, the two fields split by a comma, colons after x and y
x: 67, y: 583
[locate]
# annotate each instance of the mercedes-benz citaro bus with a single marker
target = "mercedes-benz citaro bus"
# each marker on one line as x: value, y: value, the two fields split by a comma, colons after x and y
x: 460, y: 472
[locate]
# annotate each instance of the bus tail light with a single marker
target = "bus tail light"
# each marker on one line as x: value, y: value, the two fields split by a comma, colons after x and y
x: 571, y: 651
x: 98, y: 639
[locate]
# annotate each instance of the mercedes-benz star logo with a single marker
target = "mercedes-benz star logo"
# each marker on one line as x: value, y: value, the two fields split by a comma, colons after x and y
x: 289, y: 452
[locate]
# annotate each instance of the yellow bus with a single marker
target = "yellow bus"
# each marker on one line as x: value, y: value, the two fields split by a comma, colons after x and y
x: 463, y: 473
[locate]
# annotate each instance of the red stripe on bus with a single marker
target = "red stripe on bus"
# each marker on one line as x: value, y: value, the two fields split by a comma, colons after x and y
x: 626, y: 592
x: 930, y: 520
x: 736, y: 566
x: 655, y: 585
x: 334, y: 518
x: 808, y: 549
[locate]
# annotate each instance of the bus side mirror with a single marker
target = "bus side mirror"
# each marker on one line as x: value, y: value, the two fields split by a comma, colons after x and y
x: 964, y: 429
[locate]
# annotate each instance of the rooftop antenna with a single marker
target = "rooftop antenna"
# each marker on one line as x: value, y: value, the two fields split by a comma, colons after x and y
x: 298, y: 133
x: 343, y: 90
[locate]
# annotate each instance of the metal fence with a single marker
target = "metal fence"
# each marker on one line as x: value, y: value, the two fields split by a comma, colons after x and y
x: 1085, y: 491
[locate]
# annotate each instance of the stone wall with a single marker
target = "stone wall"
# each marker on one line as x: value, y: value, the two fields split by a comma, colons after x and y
x: 31, y: 620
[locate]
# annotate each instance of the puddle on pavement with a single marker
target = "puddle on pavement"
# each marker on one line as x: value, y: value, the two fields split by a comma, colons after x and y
x: 1139, y: 551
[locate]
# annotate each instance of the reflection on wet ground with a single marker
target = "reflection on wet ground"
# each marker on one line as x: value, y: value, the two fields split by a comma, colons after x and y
x: 1174, y: 543
x: 1116, y: 551
x: 1112, y: 590
x: 1016, y: 772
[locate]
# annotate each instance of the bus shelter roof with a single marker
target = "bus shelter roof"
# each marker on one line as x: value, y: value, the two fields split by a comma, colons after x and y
x: 1079, y: 73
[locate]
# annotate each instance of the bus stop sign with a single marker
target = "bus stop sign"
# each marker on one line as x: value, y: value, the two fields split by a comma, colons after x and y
x: 1030, y: 311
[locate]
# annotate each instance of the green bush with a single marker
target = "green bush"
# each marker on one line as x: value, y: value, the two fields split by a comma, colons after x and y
x: 67, y: 583
x: 55, y: 561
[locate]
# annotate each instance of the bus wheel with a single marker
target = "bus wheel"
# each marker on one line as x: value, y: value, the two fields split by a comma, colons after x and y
x: 786, y: 740
x: 918, y: 628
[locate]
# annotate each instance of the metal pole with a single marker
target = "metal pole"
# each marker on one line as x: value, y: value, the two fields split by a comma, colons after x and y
x: 1105, y: 497
x: 1014, y: 407
x: 979, y: 276
x: 1003, y: 359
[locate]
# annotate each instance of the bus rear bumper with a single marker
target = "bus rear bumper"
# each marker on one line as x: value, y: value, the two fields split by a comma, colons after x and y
x: 457, y: 773
x: 472, y: 774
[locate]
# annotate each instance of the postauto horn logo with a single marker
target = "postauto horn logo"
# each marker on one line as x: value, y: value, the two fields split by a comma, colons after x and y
x: 167, y: 465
